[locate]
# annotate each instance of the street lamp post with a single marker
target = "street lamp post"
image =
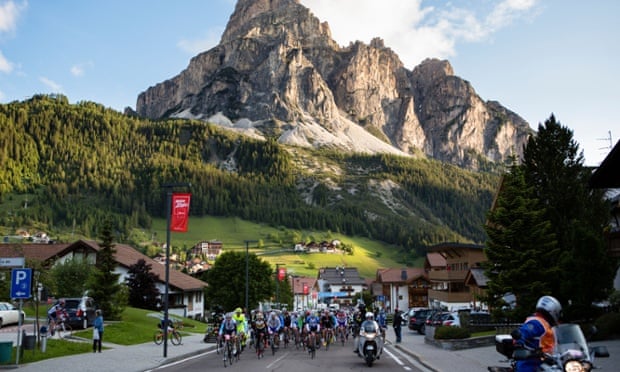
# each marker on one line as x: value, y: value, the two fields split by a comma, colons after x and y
x: 168, y: 187
x: 247, y: 273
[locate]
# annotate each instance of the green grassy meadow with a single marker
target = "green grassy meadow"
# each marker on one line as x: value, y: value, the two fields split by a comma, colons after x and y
x: 275, y: 245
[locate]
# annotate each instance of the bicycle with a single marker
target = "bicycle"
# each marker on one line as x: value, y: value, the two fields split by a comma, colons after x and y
x: 61, y: 328
x: 342, y: 334
x: 312, y: 344
x: 274, y: 339
x: 329, y: 338
x: 287, y: 336
x: 230, y: 349
x: 173, y: 336
x: 260, y: 345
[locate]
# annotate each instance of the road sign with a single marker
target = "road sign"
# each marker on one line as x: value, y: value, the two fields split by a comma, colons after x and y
x: 21, y: 279
x: 12, y: 262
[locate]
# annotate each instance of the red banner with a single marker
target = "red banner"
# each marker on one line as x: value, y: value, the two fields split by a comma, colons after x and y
x: 281, y: 273
x: 306, y: 289
x: 180, y: 212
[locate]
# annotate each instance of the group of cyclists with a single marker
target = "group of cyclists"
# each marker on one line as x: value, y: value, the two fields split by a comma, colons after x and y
x: 309, y: 329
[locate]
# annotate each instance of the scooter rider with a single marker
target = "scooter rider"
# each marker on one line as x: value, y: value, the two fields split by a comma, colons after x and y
x: 536, y: 333
x: 367, y: 325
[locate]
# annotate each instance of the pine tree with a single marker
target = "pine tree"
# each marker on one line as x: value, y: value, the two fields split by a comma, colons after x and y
x: 143, y: 292
x: 104, y: 284
x: 553, y: 165
x: 521, y: 248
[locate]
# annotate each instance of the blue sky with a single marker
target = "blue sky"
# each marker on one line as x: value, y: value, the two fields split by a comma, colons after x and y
x: 535, y: 57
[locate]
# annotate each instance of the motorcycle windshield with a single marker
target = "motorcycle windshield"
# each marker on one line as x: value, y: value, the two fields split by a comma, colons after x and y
x: 570, y: 339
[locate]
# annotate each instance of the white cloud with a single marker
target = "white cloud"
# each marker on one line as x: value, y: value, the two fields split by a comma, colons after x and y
x: 78, y: 70
x: 5, y: 65
x: 197, y: 46
x: 416, y: 31
x: 9, y: 13
x: 55, y: 87
x: 2, y: 96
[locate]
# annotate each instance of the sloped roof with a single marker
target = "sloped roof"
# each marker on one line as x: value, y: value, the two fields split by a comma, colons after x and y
x: 334, y: 275
x: 36, y: 252
x: 606, y: 176
x: 299, y: 282
x: 127, y: 256
x: 394, y: 275
x: 434, y: 259
x: 476, y: 276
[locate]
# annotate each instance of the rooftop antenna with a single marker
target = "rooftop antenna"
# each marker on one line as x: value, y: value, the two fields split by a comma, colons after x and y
x: 608, y: 139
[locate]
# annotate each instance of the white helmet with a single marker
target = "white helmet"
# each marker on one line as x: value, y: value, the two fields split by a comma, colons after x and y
x: 551, y: 305
x: 370, y: 315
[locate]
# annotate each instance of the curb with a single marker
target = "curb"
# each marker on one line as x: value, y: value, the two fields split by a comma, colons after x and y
x: 416, y: 357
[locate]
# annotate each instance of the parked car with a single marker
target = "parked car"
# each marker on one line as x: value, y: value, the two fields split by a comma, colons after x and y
x: 81, y: 311
x: 417, y: 319
x: 9, y: 314
x: 451, y: 319
x: 435, y: 318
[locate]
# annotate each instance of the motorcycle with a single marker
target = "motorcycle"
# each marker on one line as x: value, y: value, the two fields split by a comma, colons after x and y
x: 370, y: 344
x: 570, y: 353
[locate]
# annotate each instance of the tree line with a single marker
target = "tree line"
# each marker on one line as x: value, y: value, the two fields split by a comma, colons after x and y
x: 81, y: 163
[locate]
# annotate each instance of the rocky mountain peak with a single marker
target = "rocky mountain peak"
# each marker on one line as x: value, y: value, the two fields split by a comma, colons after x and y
x: 278, y: 73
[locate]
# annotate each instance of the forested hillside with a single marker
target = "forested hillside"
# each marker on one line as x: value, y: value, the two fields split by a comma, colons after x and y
x: 78, y: 164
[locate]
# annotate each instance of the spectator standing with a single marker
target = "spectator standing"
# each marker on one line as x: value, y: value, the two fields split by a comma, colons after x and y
x: 397, y: 323
x: 97, y: 331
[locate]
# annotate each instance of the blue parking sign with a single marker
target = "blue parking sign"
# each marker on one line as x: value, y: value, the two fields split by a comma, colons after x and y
x: 21, y: 280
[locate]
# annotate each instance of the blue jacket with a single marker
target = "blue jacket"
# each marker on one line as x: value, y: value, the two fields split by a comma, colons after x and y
x: 98, y: 323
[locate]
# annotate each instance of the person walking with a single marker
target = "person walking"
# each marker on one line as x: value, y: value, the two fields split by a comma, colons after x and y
x: 97, y: 331
x: 397, y: 324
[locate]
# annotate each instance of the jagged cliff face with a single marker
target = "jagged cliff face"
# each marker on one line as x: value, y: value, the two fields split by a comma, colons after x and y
x: 277, y: 72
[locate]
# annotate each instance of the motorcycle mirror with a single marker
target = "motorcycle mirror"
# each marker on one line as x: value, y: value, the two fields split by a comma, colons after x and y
x: 599, y: 351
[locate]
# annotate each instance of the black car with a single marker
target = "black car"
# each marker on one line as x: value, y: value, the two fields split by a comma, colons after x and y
x: 417, y: 319
x: 81, y: 312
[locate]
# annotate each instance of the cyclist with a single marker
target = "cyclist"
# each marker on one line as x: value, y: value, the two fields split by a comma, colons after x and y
x: 326, y: 325
x: 286, y: 323
x: 313, y: 327
x: 295, y: 325
x: 229, y: 327
x: 341, y: 323
x: 56, y: 314
x: 260, y: 329
x: 273, y: 326
x: 242, y: 326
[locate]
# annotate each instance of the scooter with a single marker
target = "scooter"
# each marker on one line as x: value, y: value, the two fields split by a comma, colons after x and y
x: 370, y: 344
x: 570, y: 353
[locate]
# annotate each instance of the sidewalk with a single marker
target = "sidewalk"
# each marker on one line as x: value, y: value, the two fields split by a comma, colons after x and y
x: 118, y: 358
x: 147, y: 356
x: 477, y: 359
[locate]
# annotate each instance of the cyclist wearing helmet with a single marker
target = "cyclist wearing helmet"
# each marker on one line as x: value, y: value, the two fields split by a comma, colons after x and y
x: 260, y: 328
x: 242, y: 325
x: 536, y: 333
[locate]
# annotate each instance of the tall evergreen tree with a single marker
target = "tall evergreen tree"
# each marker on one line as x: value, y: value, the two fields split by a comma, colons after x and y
x: 553, y: 165
x: 521, y: 247
x: 104, y: 285
x: 143, y: 292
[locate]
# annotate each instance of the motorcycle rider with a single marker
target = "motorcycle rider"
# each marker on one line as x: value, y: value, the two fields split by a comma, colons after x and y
x: 368, y: 325
x: 536, y: 333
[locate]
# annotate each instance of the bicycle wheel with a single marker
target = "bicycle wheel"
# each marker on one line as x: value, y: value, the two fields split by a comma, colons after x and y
x: 225, y: 353
x: 175, y: 338
x: 65, y: 330
x: 260, y: 347
x: 158, y: 337
x: 229, y: 351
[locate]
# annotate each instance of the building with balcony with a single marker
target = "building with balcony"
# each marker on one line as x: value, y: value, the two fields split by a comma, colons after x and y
x: 448, y: 288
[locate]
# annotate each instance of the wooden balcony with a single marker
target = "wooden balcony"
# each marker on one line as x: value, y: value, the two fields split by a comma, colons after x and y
x: 449, y: 296
x: 447, y: 275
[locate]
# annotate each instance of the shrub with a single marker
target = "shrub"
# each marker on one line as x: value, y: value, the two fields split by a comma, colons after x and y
x: 447, y: 333
x: 607, y: 326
